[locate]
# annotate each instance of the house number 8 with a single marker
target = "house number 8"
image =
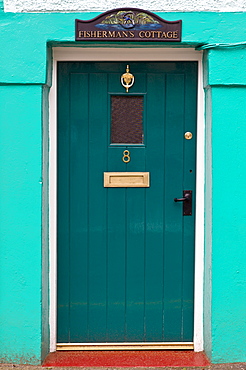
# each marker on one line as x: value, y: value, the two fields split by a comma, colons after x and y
x: 126, y: 156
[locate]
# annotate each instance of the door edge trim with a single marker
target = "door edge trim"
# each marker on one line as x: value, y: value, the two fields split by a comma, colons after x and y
x: 157, y: 54
x: 124, y: 346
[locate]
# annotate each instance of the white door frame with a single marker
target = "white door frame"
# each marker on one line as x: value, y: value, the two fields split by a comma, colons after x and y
x: 133, y: 54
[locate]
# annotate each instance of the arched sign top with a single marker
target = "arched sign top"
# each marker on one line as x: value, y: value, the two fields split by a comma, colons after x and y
x: 128, y: 24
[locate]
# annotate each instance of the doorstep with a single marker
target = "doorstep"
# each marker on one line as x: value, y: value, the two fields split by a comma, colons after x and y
x: 160, y: 358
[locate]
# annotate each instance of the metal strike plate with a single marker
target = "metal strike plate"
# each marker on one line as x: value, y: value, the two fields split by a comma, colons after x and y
x: 187, y: 205
x: 126, y: 179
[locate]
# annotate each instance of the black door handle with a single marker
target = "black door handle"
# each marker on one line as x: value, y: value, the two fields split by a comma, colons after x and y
x: 187, y: 202
x: 180, y: 199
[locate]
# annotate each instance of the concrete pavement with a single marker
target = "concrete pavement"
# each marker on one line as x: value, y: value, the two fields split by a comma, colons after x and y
x: 234, y: 366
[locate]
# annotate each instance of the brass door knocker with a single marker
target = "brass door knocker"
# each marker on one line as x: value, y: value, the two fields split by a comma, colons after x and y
x: 127, y: 79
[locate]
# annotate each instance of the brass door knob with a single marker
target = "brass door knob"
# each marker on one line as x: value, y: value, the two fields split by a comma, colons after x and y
x: 188, y: 135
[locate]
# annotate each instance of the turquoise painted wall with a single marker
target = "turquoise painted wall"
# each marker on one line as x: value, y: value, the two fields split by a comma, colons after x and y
x: 20, y: 220
x: 24, y: 42
x: 24, y: 38
x: 229, y: 224
x: 225, y: 274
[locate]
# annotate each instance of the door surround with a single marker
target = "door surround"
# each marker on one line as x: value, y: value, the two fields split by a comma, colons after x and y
x: 133, y: 54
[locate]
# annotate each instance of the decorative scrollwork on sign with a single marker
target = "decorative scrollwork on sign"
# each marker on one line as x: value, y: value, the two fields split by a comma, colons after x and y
x: 127, y: 79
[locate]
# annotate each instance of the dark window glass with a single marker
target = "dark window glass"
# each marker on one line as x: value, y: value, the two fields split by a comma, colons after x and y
x: 126, y: 119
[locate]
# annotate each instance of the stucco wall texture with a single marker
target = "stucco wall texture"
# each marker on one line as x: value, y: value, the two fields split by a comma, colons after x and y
x: 24, y: 308
x: 95, y: 5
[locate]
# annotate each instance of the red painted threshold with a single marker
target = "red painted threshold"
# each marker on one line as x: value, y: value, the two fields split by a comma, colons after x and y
x: 126, y: 359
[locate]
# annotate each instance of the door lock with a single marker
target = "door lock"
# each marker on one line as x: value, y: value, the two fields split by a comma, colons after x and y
x: 187, y: 202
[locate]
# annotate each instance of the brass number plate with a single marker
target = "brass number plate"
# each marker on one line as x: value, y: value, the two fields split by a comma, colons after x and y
x: 126, y: 156
x: 126, y: 179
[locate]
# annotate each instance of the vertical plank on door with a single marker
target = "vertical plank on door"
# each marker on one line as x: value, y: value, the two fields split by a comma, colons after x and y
x: 189, y: 180
x: 78, y: 194
x: 173, y: 256
x: 97, y: 160
x: 63, y: 237
x: 155, y: 201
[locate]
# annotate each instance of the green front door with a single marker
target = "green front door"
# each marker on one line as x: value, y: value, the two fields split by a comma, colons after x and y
x: 126, y: 254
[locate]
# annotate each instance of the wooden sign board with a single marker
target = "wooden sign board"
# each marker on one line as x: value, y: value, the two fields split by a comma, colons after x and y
x: 128, y: 24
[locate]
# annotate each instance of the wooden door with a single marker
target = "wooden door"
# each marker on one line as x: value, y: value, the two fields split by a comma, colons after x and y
x: 125, y: 255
